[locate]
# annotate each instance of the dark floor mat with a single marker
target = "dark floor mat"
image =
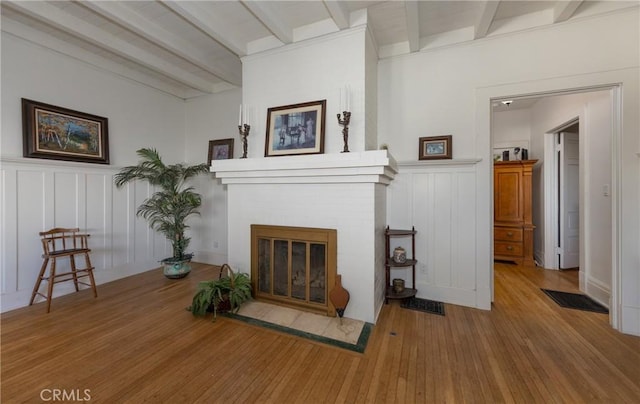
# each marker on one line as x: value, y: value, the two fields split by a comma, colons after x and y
x: 575, y: 301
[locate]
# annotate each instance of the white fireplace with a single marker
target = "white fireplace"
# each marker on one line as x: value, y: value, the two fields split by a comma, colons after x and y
x: 342, y: 191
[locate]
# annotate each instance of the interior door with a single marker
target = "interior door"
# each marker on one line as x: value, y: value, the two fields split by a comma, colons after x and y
x: 569, y: 250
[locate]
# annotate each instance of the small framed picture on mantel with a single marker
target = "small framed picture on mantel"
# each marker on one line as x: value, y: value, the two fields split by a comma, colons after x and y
x: 220, y: 150
x: 435, y: 148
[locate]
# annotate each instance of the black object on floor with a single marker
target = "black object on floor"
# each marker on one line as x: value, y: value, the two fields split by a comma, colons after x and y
x: 429, y: 306
x: 575, y: 301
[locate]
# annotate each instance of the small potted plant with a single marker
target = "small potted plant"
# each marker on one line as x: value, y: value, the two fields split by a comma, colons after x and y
x: 169, y: 207
x: 222, y: 294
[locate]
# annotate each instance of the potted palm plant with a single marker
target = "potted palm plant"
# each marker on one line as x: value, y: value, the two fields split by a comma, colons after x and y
x: 169, y: 207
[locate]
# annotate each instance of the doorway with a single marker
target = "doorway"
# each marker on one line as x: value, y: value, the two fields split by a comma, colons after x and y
x: 566, y: 171
x: 621, y: 258
x: 573, y: 222
x: 569, y: 202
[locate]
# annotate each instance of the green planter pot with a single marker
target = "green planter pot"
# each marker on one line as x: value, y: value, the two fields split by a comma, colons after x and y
x: 176, y: 269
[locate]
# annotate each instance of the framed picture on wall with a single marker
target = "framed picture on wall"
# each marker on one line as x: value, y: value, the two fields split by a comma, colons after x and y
x: 220, y: 150
x: 435, y: 147
x: 295, y: 129
x: 57, y: 133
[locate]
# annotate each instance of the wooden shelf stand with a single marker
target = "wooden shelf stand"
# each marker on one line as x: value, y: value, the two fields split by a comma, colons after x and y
x: 390, y: 264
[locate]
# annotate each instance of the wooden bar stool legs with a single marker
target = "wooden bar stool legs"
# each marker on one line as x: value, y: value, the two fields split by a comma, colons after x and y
x: 92, y: 280
x: 38, y: 281
x: 63, y: 243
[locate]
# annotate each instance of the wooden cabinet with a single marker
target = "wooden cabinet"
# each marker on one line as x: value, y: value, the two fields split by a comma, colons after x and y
x: 513, y: 223
x: 391, y: 264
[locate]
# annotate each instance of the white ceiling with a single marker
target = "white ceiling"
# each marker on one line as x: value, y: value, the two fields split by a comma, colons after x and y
x: 190, y: 48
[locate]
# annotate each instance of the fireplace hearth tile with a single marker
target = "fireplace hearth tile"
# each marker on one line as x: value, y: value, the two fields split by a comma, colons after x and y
x: 277, y: 315
x: 349, y: 331
x: 349, y: 334
x: 313, y: 323
x: 251, y: 309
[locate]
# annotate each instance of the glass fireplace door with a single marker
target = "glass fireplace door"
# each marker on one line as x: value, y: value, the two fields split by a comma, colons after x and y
x: 293, y: 271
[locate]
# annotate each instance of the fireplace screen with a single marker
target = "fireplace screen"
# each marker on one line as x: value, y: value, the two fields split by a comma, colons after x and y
x: 294, y: 266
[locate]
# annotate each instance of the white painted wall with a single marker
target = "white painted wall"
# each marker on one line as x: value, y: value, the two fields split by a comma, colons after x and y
x: 596, y: 168
x: 433, y: 93
x: 39, y: 194
x: 309, y: 71
x: 380, y: 224
x: 208, y: 118
x: 511, y: 127
x: 371, y: 94
x: 449, y: 91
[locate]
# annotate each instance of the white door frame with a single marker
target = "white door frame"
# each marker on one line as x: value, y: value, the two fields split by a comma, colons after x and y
x: 497, y: 93
x: 550, y: 174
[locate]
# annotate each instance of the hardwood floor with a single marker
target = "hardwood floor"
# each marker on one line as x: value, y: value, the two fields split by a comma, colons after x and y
x: 137, y: 343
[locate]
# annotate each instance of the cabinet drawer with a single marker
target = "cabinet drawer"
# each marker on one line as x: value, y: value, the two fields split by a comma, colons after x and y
x: 507, y: 248
x: 507, y: 234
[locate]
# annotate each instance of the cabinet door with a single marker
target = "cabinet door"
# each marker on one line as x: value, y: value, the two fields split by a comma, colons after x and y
x: 507, y: 198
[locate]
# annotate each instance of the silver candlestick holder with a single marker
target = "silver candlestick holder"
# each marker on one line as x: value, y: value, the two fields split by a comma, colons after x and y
x: 244, y: 132
x: 344, y: 120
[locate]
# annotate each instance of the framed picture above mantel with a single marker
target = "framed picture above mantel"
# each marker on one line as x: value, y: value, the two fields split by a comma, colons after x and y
x: 435, y: 147
x: 57, y: 133
x: 295, y: 129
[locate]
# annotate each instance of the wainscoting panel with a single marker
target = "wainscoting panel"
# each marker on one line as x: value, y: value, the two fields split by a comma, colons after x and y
x: 121, y: 222
x: 31, y: 210
x: 67, y: 206
x: 142, y: 243
x: 38, y: 195
x: 439, y: 200
x: 97, y: 216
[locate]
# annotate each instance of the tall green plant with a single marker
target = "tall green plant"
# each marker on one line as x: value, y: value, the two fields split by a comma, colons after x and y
x: 168, y: 208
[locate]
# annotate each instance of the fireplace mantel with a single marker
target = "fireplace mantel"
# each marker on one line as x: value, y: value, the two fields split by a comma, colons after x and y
x: 341, y: 191
x: 376, y: 166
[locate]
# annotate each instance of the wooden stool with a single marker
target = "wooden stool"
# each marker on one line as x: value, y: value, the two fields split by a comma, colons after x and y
x: 63, y: 243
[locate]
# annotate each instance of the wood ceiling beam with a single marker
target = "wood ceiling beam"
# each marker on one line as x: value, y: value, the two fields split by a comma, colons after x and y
x: 213, y: 26
x: 77, y: 27
x: 131, y: 20
x: 487, y: 15
x: 339, y: 13
x: 270, y: 19
x: 563, y: 10
x: 413, y: 25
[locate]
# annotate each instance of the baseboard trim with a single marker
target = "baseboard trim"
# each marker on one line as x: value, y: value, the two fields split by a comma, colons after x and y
x: 18, y: 299
x: 598, y: 291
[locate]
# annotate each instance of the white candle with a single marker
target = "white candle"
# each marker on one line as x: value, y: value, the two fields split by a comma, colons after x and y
x: 240, y: 116
x: 341, y: 93
x: 348, y: 98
